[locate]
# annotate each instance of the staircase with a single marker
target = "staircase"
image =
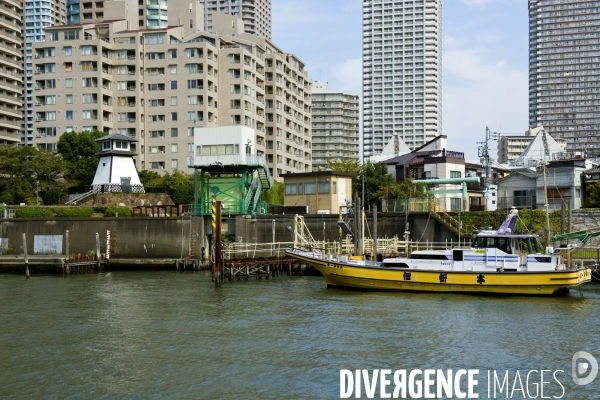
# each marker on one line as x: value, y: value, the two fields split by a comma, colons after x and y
x: 449, y: 221
x: 193, y: 239
x: 265, y: 178
x: 254, y: 196
x: 80, y: 198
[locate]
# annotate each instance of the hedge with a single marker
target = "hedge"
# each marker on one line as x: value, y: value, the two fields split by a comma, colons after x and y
x: 122, y: 211
x: 33, y: 212
x: 79, y: 212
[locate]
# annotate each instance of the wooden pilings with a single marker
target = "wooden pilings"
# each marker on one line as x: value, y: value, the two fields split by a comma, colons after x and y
x: 25, y: 255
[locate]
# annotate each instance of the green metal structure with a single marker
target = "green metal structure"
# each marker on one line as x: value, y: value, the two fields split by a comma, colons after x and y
x: 237, y: 181
x: 451, y: 181
x: 582, y: 236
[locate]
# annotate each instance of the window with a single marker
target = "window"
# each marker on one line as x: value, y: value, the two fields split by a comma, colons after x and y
x: 174, y: 148
x: 190, y: 147
x: 174, y: 164
x: 455, y: 174
x: 323, y: 187
x: 455, y: 204
x: 173, y: 54
x: 174, y: 132
x: 88, y: 114
x: 191, y: 131
x: 154, y: 39
x: 310, y: 188
x: 173, y: 100
x: 151, y: 103
x: 173, y: 84
x: 69, y: 82
x: 69, y: 114
x: 192, y: 83
x: 53, y: 36
x: 71, y: 35
x: 69, y: 99
x: 334, y: 187
x: 173, y: 69
x: 87, y: 50
x: 68, y: 51
x: 290, y: 189
x: 173, y: 116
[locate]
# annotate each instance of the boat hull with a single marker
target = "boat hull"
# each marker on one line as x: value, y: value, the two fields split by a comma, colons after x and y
x: 412, y: 280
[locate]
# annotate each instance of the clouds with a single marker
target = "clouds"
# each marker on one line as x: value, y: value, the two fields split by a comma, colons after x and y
x: 484, y: 59
x: 481, y: 90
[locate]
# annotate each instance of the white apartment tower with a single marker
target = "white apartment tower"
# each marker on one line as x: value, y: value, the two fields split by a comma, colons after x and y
x: 402, y: 72
x: 564, y: 70
x: 256, y: 14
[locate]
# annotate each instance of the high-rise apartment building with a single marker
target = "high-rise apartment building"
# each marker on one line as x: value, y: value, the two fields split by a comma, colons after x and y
x: 11, y: 71
x: 402, y: 74
x: 156, y: 85
x: 334, y: 126
x: 564, y: 71
x: 151, y: 14
x: 37, y: 17
x: 256, y: 14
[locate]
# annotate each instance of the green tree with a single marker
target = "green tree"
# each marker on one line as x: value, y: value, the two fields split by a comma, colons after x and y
x: 274, y: 195
x: 29, y: 173
x: 346, y: 166
x: 150, y: 178
x: 79, y: 151
x: 592, y: 198
x: 179, y: 186
x: 49, y: 169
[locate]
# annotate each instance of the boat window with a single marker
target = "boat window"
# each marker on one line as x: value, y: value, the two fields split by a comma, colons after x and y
x: 428, y: 257
x: 394, y: 265
x: 484, y: 242
x: 504, y: 245
x: 457, y: 255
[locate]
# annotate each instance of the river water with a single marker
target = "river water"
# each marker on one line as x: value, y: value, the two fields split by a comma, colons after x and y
x: 173, y: 335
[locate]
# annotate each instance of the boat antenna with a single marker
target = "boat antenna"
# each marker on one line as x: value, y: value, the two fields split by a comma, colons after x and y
x: 547, y: 205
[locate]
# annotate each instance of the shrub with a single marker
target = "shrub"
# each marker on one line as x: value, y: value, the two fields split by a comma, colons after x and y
x: 33, y: 212
x: 79, y: 212
x: 122, y: 211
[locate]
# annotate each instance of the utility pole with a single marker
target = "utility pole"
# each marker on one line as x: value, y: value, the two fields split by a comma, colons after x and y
x: 486, y: 161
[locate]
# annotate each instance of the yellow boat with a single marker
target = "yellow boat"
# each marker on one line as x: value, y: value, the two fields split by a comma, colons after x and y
x: 495, y: 264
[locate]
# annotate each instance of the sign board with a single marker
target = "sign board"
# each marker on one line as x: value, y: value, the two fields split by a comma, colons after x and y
x: 47, y: 244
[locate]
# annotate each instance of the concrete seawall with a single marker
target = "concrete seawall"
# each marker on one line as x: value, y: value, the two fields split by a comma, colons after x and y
x: 174, y: 243
x: 151, y: 238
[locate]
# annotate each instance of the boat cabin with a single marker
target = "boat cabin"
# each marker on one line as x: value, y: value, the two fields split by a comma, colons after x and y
x: 510, y: 244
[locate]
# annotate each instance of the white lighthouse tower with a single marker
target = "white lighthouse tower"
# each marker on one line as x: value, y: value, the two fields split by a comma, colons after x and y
x: 116, y: 170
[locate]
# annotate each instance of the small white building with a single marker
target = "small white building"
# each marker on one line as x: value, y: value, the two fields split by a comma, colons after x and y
x: 116, y: 170
x: 227, y: 145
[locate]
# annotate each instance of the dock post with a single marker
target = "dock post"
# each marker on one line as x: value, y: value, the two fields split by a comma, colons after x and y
x: 67, y: 245
x: 375, y: 232
x: 25, y: 255
x: 218, y: 263
x: 98, y: 251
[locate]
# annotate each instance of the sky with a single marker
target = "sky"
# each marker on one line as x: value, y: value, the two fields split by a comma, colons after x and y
x: 484, y: 59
